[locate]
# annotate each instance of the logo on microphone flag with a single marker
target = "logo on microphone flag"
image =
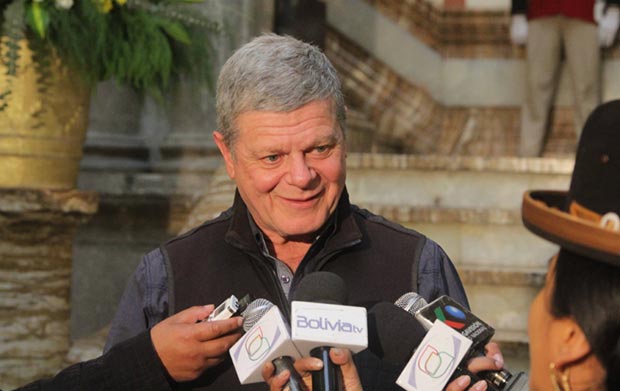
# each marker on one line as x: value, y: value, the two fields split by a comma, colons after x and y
x: 435, y: 360
x: 454, y: 313
x: 319, y: 324
x: 256, y: 345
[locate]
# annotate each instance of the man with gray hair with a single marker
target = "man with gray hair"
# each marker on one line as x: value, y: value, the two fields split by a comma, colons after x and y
x: 281, y: 132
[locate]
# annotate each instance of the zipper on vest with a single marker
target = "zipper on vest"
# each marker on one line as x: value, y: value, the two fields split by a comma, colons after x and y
x: 327, y: 257
x: 282, y: 301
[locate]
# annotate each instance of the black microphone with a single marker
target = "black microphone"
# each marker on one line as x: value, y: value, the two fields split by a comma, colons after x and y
x: 326, y: 288
x: 393, y: 334
x: 252, y: 314
x: 469, y: 325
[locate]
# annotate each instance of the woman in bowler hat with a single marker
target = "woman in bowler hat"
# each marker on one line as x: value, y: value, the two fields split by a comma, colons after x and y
x: 574, y: 323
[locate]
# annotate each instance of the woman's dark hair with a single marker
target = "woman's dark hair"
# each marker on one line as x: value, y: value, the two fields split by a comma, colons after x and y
x: 589, y: 292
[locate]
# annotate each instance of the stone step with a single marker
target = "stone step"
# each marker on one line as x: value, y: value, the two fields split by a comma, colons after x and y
x: 502, y: 299
x: 469, y: 205
x: 488, y: 245
x: 504, y: 311
x: 451, y: 182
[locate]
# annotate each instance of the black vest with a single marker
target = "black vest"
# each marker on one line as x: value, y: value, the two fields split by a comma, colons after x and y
x: 377, y: 259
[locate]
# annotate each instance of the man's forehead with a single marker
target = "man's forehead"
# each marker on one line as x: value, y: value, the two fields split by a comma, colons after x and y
x: 310, y: 137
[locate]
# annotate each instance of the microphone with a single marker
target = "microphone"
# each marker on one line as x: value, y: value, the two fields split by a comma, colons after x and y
x: 320, y: 322
x: 267, y: 338
x: 254, y: 312
x: 393, y: 334
x: 229, y: 308
x: 446, y: 310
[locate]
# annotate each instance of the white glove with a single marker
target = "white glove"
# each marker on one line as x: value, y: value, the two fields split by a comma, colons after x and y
x: 608, y: 26
x: 518, y: 29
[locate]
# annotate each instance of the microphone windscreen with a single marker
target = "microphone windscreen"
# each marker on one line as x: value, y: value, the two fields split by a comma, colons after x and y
x: 393, y: 334
x: 321, y: 287
x: 254, y: 312
x: 411, y: 302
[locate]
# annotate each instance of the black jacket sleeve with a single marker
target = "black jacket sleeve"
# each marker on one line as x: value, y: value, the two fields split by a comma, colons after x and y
x: 132, y: 365
x: 520, y: 7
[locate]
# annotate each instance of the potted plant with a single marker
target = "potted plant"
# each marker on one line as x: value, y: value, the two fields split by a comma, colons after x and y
x: 53, y: 52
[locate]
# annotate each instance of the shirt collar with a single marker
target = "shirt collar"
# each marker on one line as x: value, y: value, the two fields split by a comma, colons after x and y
x: 340, y: 230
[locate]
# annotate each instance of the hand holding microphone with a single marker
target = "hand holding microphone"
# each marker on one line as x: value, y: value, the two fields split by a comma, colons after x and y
x: 305, y: 366
x: 186, y: 348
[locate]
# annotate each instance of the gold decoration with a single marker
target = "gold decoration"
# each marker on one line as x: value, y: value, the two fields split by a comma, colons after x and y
x: 43, y: 126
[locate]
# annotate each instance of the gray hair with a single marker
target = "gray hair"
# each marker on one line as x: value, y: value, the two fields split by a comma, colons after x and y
x: 274, y: 73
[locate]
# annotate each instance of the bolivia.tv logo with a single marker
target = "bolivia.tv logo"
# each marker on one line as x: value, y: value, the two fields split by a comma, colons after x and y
x: 323, y: 323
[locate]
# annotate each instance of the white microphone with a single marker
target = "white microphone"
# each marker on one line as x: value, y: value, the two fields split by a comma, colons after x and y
x: 465, y: 323
x: 267, y: 338
x: 319, y: 322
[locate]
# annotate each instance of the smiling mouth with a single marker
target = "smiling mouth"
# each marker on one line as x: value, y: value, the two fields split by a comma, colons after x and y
x: 303, y: 201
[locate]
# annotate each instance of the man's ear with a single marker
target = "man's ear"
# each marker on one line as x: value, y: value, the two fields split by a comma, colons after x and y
x: 226, y: 153
x: 569, y: 343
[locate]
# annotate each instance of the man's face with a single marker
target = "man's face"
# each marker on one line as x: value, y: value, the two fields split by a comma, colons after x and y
x: 289, y: 168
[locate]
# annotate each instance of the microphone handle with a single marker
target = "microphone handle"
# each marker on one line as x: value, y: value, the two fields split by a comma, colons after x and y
x: 500, y: 380
x: 519, y: 382
x: 329, y: 377
x: 286, y: 362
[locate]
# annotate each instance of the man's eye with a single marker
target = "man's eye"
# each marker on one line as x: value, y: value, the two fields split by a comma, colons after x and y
x: 271, y: 158
x: 321, y: 148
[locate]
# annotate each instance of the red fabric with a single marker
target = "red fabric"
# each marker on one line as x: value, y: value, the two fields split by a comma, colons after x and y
x: 577, y: 9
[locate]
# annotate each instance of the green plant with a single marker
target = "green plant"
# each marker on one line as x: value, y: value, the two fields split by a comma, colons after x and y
x: 144, y: 44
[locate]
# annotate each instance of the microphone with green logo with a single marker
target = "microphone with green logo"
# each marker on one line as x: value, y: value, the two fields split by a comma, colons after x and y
x: 460, y: 319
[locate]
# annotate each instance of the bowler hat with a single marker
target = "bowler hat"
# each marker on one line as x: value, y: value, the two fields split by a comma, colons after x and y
x: 585, y: 219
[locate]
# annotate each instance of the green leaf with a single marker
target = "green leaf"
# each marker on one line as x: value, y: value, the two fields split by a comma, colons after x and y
x: 38, y: 18
x: 176, y: 31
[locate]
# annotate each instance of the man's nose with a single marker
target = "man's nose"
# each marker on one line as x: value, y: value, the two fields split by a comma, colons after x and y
x: 300, y: 172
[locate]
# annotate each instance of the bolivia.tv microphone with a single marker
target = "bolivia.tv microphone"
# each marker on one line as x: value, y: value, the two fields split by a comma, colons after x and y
x: 449, y: 312
x: 267, y: 338
x: 320, y: 321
